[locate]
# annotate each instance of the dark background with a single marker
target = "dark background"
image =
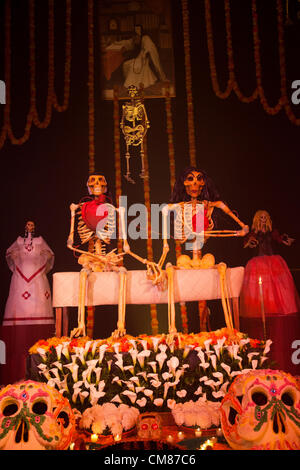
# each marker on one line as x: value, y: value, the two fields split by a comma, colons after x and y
x: 251, y: 156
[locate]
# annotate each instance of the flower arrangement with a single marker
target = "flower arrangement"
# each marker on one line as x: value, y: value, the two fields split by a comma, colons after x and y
x: 203, y: 413
x: 109, y: 419
x: 150, y: 373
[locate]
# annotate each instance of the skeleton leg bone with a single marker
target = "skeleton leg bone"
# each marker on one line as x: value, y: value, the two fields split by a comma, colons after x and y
x: 120, y: 331
x: 171, y: 304
x: 225, y: 303
x: 80, y: 330
x: 127, y: 176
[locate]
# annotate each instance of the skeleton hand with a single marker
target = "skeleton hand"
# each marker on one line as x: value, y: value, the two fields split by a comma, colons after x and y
x: 79, y: 331
x: 252, y: 242
x: 287, y: 240
x: 154, y: 272
x: 243, y: 232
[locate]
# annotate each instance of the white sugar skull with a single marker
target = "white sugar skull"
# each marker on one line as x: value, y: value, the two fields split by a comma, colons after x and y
x: 149, y: 426
x: 262, y: 411
x: 34, y: 416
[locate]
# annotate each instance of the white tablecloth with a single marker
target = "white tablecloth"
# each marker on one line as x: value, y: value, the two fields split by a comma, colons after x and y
x: 103, y: 287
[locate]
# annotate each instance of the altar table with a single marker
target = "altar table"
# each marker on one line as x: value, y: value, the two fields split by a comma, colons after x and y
x: 103, y: 289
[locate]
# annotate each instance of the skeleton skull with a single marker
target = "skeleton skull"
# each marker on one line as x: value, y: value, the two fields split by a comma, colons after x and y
x: 194, y: 183
x: 149, y: 426
x: 97, y: 185
x: 34, y: 416
x: 262, y: 411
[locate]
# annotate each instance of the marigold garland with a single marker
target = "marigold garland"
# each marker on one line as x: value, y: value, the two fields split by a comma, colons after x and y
x: 91, y: 129
x: 171, y: 153
x: 117, y: 152
x: 32, y: 116
x: 153, y: 308
x: 283, y: 101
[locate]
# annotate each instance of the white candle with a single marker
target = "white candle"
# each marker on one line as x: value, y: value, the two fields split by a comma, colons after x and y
x: 198, y: 432
x: 94, y: 437
x: 180, y: 435
x: 118, y: 437
x: 170, y: 438
x: 260, y: 282
x: 219, y: 432
x: 72, y: 445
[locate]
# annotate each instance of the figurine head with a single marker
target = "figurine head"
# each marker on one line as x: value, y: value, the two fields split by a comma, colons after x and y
x: 262, y: 222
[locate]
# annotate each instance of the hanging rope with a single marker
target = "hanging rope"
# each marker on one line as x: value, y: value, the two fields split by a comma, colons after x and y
x: 51, y: 100
x: 232, y: 85
x: 117, y: 152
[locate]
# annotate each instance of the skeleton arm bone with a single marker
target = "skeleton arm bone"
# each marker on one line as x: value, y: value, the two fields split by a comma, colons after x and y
x: 224, y: 208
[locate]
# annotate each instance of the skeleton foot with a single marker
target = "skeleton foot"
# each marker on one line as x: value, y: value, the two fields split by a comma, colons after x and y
x: 118, y: 333
x: 128, y: 177
x: 77, y: 332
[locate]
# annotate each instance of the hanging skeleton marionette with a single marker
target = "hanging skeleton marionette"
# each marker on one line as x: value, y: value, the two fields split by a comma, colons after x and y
x: 95, y: 222
x: 193, y: 201
x: 134, y: 125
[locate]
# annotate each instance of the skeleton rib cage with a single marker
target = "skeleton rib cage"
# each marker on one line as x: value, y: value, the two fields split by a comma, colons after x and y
x: 183, y: 221
x: 102, y: 236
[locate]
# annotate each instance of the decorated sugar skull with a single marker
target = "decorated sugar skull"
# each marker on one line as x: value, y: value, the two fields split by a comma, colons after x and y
x: 34, y: 416
x: 262, y: 411
x: 149, y: 426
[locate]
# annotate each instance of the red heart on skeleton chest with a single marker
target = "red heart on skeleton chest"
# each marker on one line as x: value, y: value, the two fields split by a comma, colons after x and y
x: 93, y: 213
x: 200, y: 221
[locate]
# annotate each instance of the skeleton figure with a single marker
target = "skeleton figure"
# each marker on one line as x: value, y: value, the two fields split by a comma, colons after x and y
x: 134, y: 125
x: 96, y: 225
x: 194, y: 199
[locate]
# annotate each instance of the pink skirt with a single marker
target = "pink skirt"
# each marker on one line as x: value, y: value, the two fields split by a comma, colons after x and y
x: 280, y: 296
x: 18, y: 340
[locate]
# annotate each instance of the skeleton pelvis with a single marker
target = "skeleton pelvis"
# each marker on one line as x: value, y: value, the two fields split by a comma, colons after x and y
x: 93, y: 213
x: 90, y: 262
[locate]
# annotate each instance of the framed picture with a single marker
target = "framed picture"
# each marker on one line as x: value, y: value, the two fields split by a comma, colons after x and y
x: 136, y: 47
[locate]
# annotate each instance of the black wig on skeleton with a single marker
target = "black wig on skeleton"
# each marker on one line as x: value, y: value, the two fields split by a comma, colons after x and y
x: 209, y: 191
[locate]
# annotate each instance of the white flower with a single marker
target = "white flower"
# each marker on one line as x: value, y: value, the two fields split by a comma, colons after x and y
x: 155, y: 342
x: 163, y: 347
x: 161, y: 357
x: 116, y: 347
x: 102, y: 350
x: 83, y: 396
x: 95, y: 395
x: 74, y: 370
x: 207, y: 344
x: 155, y: 383
x: 158, y: 402
x: 42, y: 353
x: 172, y: 364
x: 181, y: 393
x: 119, y: 361
x: 58, y: 350
x: 254, y: 363
x: 135, y: 379
x: 198, y: 391
x: 65, y: 351
x: 166, y: 375
x: 116, y: 399
x: 142, y: 402
x: 143, y: 343
x: 213, y: 359
x: 227, y: 368
x: 219, y: 376
x: 139, y: 389
x: 148, y: 393
x: 141, y: 356
x: 130, y: 368
x: 58, y: 365
x: 131, y: 395
x: 171, y: 403
x: 133, y: 353
x: 153, y: 365
x: 267, y: 347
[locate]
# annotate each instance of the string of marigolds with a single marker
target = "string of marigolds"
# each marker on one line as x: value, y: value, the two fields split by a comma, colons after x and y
x: 171, y: 152
x: 188, y: 81
x: 51, y: 100
x: 91, y: 129
x: 117, y: 152
x: 153, y: 308
x: 232, y: 85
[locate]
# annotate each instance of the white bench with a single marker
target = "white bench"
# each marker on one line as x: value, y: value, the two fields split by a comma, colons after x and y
x: 103, y: 289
